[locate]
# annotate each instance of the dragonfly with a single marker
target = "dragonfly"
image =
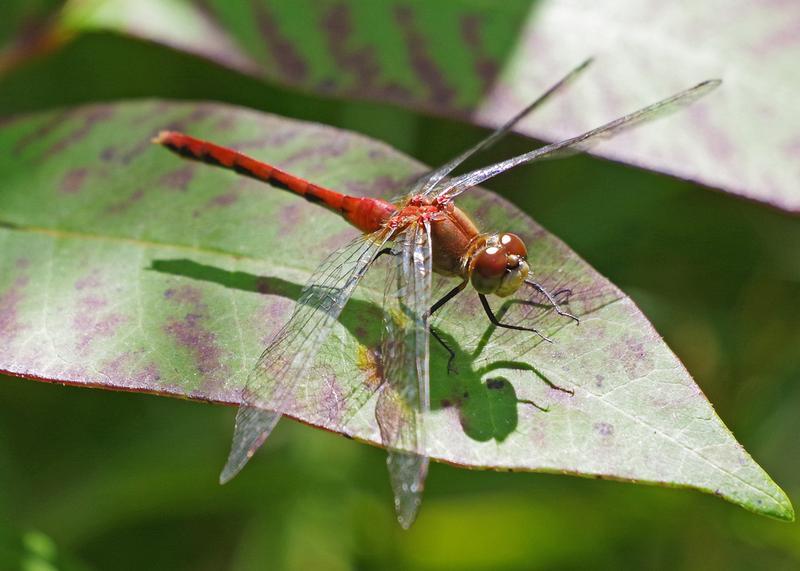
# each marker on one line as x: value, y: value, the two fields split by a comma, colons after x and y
x: 420, y: 234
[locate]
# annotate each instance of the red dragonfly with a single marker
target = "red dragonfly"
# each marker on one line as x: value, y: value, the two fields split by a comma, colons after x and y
x: 422, y: 233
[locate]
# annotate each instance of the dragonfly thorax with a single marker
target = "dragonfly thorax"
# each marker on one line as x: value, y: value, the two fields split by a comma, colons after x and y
x: 498, y: 264
x: 494, y: 263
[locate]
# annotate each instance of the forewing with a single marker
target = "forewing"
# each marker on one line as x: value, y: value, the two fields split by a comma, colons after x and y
x: 427, y: 185
x: 405, y: 395
x: 582, y: 142
x: 288, y: 357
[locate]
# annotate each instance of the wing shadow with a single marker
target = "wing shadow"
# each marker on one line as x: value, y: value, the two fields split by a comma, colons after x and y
x: 268, y: 285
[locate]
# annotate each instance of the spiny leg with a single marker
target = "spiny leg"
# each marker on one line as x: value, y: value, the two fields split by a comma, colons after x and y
x: 490, y: 314
x: 565, y: 292
x: 551, y: 298
x: 451, y: 369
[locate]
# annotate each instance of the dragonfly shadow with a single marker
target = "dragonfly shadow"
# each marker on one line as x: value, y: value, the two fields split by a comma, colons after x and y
x: 486, y: 401
x: 243, y: 281
x: 266, y: 285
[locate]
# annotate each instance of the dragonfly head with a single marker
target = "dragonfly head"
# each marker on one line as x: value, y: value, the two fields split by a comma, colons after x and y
x: 500, y: 266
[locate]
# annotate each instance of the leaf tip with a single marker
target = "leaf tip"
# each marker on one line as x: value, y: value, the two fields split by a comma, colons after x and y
x: 780, y: 508
x: 785, y: 510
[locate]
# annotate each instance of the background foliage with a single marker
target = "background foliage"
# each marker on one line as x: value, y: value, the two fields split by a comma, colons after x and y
x: 96, y: 480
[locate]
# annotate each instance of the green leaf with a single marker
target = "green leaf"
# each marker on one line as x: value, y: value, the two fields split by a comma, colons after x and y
x: 124, y: 267
x: 482, y: 61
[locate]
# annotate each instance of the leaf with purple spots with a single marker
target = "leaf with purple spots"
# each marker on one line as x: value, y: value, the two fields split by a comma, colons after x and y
x: 482, y: 61
x: 151, y: 277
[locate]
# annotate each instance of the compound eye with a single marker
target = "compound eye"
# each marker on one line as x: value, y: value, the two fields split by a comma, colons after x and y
x: 513, y: 244
x: 491, y: 263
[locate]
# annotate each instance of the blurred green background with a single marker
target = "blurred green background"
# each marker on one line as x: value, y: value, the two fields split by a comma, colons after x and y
x: 99, y: 480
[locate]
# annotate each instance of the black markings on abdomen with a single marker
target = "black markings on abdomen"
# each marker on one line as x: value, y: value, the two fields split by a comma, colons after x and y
x: 313, y: 198
x: 279, y: 184
x: 210, y: 159
x: 178, y: 150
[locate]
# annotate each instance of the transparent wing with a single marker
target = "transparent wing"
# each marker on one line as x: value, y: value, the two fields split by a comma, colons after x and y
x: 405, y: 394
x: 582, y: 142
x: 287, y: 358
x: 427, y: 184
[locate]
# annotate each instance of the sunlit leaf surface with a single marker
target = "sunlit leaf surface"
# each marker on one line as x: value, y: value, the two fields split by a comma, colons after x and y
x: 482, y: 61
x: 123, y: 267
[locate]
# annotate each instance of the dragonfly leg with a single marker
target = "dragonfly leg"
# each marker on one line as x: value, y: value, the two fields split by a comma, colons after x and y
x: 385, y: 251
x: 565, y: 293
x: 451, y: 369
x: 447, y: 297
x: 493, y: 318
x: 551, y: 298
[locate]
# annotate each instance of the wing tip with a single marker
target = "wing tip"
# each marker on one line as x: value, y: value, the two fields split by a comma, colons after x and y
x: 585, y: 63
x: 708, y: 85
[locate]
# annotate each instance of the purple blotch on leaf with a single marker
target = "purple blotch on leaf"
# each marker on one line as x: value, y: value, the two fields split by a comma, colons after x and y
x: 9, y: 308
x: 603, y: 428
x: 73, y: 180
x: 485, y: 66
x: 190, y: 332
x: 360, y: 62
x: 40, y: 133
x: 123, y: 205
x: 430, y: 74
x: 91, y: 116
x: 290, y: 62
x: 178, y: 179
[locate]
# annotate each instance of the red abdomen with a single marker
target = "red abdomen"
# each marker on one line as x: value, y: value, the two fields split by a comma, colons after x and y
x: 366, y: 214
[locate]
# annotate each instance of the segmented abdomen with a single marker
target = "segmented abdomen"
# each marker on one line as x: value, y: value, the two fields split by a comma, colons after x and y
x: 366, y: 214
